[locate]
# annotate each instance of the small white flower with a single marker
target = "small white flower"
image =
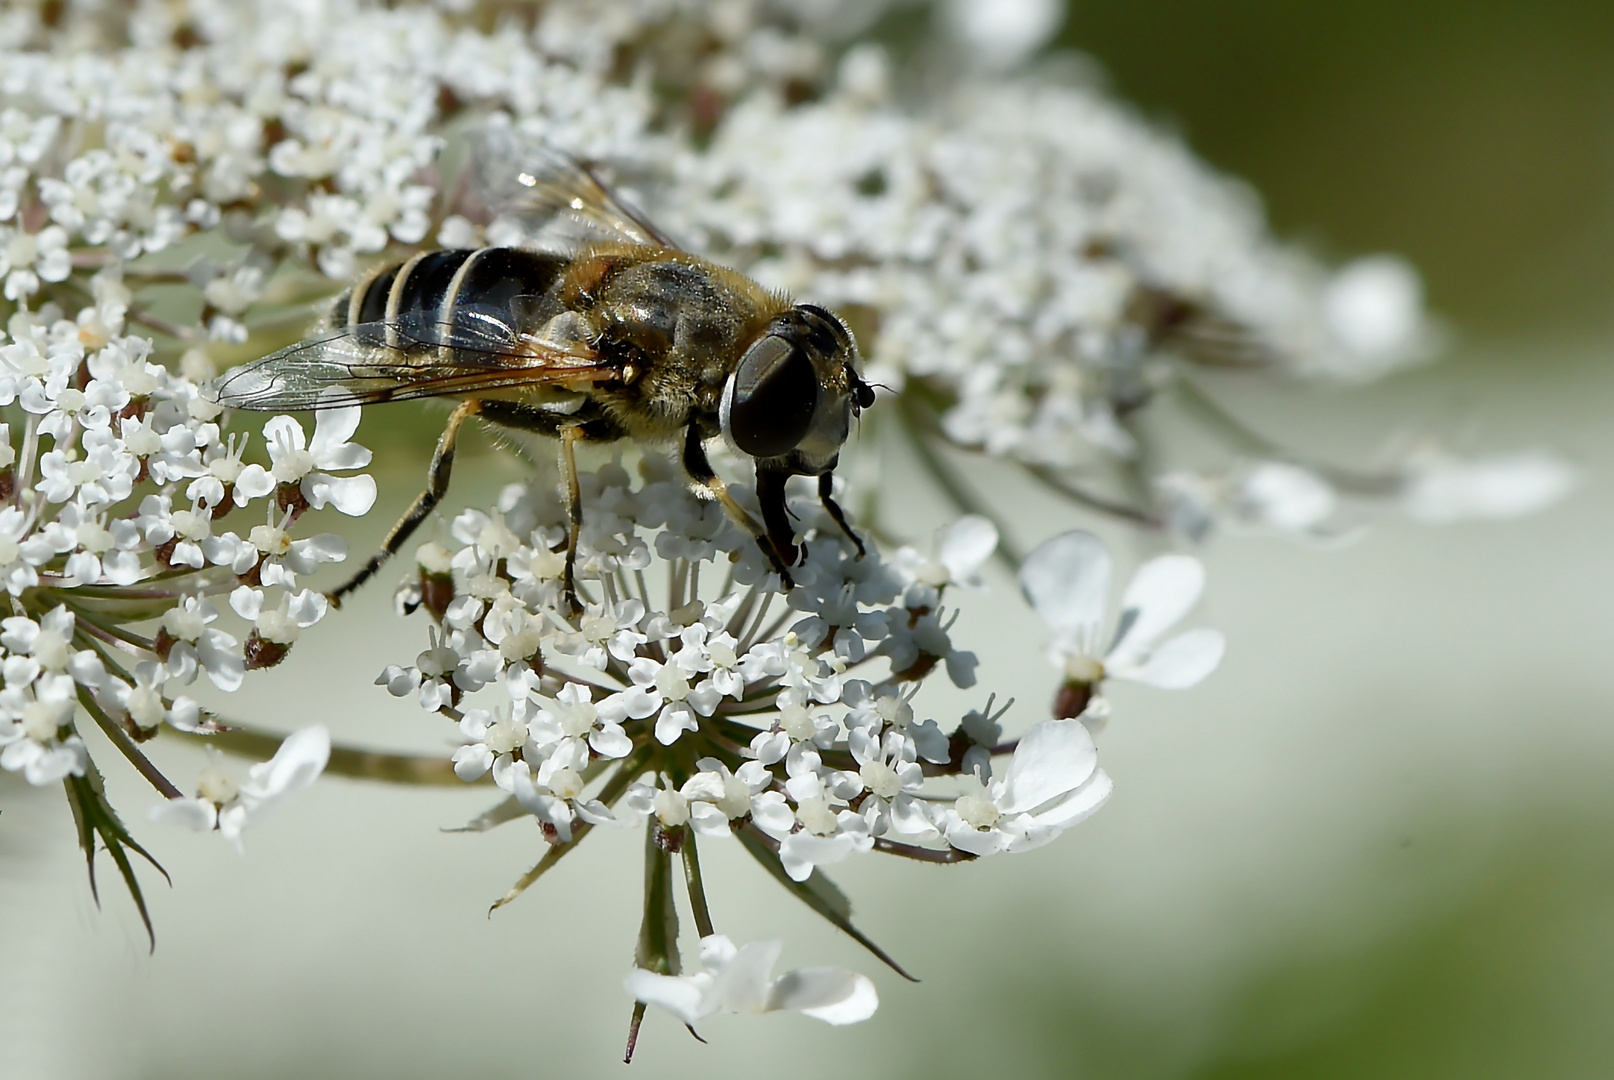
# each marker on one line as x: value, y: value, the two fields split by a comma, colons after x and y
x: 295, y: 462
x: 34, y: 711
x: 1067, y: 579
x: 223, y: 805
x: 28, y: 258
x: 741, y: 980
x: 1053, y: 782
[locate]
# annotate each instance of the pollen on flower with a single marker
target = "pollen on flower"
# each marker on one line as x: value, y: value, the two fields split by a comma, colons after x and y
x: 977, y: 810
x: 272, y: 538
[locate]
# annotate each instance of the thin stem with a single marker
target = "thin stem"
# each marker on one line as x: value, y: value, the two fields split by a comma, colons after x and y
x: 25, y: 460
x: 697, y: 888
x: 345, y: 760
x: 162, y: 326
x: 960, y: 494
x: 118, y: 633
x: 1217, y: 419
x: 908, y: 851
x: 1062, y: 486
x: 126, y: 746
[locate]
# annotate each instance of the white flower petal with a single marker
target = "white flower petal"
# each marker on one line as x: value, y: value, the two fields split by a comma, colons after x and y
x: 332, y: 429
x: 296, y: 765
x: 1067, y: 580
x: 965, y: 544
x: 741, y: 985
x: 283, y: 429
x: 1079, y: 804
x: 678, y: 994
x: 1182, y: 662
x: 351, y: 495
x: 198, y: 815
x: 1160, y: 593
x: 833, y: 995
x: 1508, y: 485
x: 1054, y: 757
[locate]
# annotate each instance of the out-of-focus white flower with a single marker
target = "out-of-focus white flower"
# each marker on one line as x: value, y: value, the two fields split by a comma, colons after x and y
x: 959, y: 550
x: 1002, y: 33
x: 222, y: 804
x: 26, y: 259
x: 1373, y: 307
x: 1067, y: 580
x: 741, y: 980
x: 1442, y: 488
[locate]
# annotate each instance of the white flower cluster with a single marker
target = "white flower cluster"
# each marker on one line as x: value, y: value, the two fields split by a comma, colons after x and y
x: 111, y: 518
x: 1026, y: 264
x: 726, y: 702
x: 1024, y: 259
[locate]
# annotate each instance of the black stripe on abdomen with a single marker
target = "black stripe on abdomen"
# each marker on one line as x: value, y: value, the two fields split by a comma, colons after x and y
x: 425, y: 286
x: 494, y: 277
x: 368, y: 303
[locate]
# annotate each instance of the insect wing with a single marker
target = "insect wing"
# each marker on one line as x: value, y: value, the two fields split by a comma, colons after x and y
x: 402, y: 359
x: 546, y: 200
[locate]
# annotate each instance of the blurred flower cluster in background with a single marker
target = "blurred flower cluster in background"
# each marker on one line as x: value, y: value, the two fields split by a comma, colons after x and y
x: 1094, y: 357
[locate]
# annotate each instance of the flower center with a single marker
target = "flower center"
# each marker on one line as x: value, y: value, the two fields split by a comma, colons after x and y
x: 671, y: 682
x: 50, y: 649
x: 40, y: 721
x: 817, y: 816
x: 217, y: 786
x: 505, y: 735
x: 881, y: 779
x: 292, y: 465
x: 977, y: 811
x: 269, y: 539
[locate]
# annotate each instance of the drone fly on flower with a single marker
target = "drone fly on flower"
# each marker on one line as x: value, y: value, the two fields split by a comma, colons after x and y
x: 596, y: 328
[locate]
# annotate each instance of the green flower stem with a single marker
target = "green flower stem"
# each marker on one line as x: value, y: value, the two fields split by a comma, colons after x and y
x: 1062, y: 486
x: 697, y: 887
x: 345, y: 760
x: 626, y: 773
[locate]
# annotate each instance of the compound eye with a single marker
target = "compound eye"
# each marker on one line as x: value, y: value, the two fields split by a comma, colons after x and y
x: 774, y: 397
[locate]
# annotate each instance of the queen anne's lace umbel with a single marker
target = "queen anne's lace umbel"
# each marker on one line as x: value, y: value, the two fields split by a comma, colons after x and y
x: 1028, y: 267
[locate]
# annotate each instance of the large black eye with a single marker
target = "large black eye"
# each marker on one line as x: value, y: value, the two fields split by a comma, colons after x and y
x: 775, y: 395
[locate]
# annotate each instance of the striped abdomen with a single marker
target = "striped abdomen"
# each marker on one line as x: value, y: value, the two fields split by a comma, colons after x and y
x: 434, y: 284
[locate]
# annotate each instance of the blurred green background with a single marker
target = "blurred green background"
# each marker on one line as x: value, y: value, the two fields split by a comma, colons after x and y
x: 1377, y: 843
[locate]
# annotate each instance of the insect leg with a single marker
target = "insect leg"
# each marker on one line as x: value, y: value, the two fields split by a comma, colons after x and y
x: 700, y: 470
x: 570, y: 436
x: 436, y: 487
x: 775, y: 515
x: 826, y: 488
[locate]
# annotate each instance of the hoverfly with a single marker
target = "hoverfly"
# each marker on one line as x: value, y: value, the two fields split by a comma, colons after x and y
x: 593, y: 328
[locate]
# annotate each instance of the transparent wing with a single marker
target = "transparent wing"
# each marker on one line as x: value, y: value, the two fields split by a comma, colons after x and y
x: 414, y: 356
x: 544, y: 199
